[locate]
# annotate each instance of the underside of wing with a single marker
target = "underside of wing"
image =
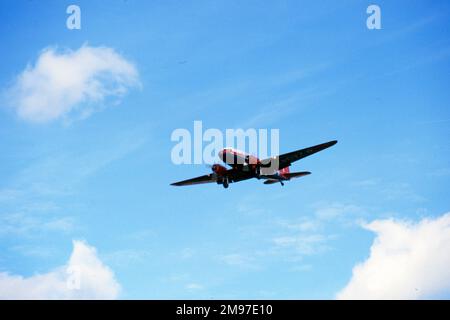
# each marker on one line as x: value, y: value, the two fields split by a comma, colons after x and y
x: 287, y: 159
x: 237, y: 175
x: 231, y: 175
x: 207, y: 178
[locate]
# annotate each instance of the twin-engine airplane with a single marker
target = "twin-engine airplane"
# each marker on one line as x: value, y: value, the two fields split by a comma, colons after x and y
x: 245, y: 166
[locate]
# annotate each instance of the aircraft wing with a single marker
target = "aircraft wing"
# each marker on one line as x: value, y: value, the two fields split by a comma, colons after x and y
x: 286, y: 159
x: 233, y: 176
x: 238, y: 175
x: 207, y: 178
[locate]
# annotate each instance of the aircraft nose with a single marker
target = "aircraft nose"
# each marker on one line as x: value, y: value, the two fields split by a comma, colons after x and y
x: 221, y: 153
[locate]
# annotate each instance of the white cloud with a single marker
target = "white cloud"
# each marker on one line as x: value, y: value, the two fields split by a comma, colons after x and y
x: 336, y: 210
x: 239, y: 260
x: 95, y: 281
x: 194, y: 286
x: 407, y: 261
x: 303, y: 224
x: 308, y: 244
x: 126, y: 257
x: 69, y: 83
x: 22, y: 224
x: 187, y: 253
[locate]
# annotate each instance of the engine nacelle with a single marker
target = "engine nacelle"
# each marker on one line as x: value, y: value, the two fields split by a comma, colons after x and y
x: 218, y: 169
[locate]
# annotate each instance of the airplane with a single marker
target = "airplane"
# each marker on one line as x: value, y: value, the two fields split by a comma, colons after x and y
x: 245, y: 166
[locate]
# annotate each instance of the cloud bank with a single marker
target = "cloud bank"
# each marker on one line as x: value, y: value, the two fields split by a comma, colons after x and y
x: 407, y: 261
x: 83, y: 277
x: 70, y: 83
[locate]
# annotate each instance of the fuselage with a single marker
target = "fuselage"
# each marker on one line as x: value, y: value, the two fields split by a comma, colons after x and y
x: 247, y: 163
x: 235, y: 157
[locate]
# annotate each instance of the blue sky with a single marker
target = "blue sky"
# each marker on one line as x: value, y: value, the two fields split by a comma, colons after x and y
x: 310, y: 69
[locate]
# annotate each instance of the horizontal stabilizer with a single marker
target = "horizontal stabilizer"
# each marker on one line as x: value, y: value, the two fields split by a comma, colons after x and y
x: 291, y: 175
x: 287, y: 176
